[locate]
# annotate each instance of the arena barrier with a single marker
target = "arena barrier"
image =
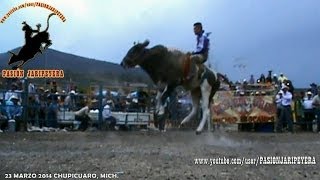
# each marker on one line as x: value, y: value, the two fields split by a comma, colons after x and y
x: 123, y: 118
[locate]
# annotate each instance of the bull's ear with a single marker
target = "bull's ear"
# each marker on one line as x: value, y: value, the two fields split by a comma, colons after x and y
x: 146, y: 43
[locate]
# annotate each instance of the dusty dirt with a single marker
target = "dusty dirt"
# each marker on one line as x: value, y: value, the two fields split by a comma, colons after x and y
x: 156, y: 155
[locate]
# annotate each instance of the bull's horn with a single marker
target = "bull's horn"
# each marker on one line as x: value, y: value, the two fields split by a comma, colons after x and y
x: 146, y: 43
x: 11, y: 52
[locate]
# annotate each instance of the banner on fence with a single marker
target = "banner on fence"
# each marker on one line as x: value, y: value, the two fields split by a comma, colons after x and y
x: 228, y: 108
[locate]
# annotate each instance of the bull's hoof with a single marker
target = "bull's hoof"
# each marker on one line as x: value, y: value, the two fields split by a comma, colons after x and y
x: 198, y: 132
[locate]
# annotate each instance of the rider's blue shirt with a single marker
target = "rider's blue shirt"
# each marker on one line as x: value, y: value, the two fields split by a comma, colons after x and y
x: 202, y: 44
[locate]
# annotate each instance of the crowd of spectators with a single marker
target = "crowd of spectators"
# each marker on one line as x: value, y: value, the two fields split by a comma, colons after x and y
x: 293, y: 107
x: 307, y: 108
x: 33, y: 106
x: 260, y: 85
x: 36, y: 107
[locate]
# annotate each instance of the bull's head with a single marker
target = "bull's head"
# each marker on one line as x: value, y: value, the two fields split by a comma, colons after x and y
x: 13, y: 58
x: 135, y: 55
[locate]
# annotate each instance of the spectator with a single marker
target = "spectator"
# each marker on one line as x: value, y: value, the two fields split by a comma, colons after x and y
x: 282, y: 78
x: 11, y: 92
x: 120, y: 104
x: 286, y: 114
x: 279, y: 104
x: 33, y: 111
x: 262, y: 79
x: 308, y: 111
x: 269, y: 78
x: 53, y: 108
x: 31, y: 88
x: 108, y: 118
x: 3, y: 118
x: 14, y: 111
x: 275, y: 79
x: 244, y: 86
x: 82, y: 115
x: 69, y: 101
x: 245, y: 82
x: 316, y: 105
x: 43, y: 104
x: 238, y: 90
x: 251, y: 80
x: 2, y: 104
x: 314, y: 89
x: 298, y: 106
x: 142, y: 100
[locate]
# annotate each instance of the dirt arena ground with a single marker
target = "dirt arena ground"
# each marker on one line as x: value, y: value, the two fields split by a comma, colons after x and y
x: 156, y: 155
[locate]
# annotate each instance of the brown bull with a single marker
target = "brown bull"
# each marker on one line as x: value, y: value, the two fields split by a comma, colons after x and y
x: 168, y: 67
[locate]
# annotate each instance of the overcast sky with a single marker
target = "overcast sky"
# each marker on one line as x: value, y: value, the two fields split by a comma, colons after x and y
x: 261, y: 35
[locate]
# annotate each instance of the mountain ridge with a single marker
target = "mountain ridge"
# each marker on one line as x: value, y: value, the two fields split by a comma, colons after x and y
x: 81, y: 69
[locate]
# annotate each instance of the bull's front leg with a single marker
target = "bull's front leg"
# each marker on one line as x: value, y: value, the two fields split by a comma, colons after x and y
x: 161, y: 102
x: 158, y: 102
x: 205, y: 105
x: 160, y: 109
x: 195, y: 95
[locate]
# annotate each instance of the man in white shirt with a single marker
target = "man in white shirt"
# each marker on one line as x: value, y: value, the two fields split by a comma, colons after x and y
x: 108, y: 118
x: 316, y: 105
x: 308, y: 111
x: 286, y: 113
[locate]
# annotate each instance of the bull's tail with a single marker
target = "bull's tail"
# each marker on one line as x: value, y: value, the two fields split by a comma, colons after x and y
x: 48, y: 20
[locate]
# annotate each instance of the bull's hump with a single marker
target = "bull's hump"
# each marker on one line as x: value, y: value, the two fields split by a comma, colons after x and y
x: 172, y: 49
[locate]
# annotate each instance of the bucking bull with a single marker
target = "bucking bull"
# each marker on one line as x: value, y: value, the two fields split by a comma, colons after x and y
x: 29, y: 50
x: 167, y: 67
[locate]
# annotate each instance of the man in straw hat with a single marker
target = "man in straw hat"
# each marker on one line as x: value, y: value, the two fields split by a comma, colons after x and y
x: 286, y: 113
